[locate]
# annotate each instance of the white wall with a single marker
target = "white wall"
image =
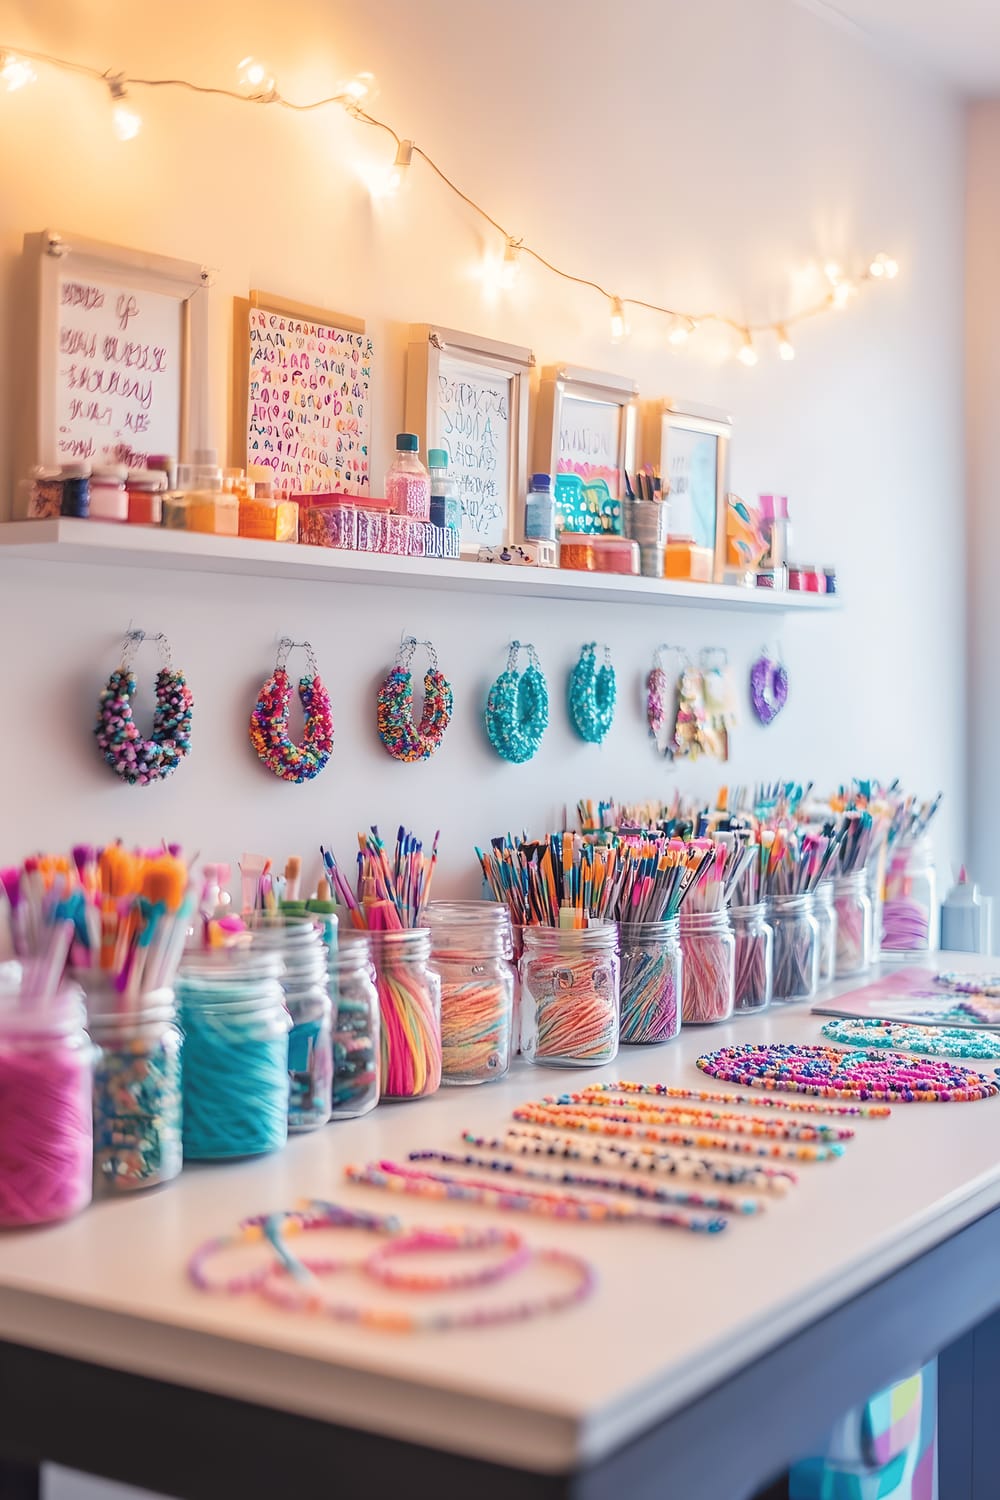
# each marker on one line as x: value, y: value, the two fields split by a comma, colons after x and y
x: 704, y: 154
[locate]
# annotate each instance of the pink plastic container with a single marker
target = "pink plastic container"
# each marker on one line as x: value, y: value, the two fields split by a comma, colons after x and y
x: 328, y: 520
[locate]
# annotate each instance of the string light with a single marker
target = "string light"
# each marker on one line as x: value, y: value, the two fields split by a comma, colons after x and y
x: 15, y: 71
x: 258, y: 87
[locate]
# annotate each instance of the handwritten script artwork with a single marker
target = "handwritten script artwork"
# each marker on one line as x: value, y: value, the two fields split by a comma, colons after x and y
x: 692, y: 468
x: 473, y: 423
x: 308, y: 403
x: 118, y: 396
x: 589, y: 440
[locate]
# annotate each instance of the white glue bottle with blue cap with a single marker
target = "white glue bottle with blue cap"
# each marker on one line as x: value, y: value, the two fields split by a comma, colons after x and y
x: 966, y: 918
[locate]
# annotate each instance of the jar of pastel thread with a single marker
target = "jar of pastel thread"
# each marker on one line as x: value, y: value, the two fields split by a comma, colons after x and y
x: 409, y: 995
x: 754, y: 958
x: 796, y: 946
x: 235, y: 1060
x: 137, y: 1092
x: 570, y: 995
x: 909, y: 909
x: 825, y: 913
x: 471, y: 948
x: 651, y: 981
x: 854, y: 924
x: 355, y: 1027
x: 298, y: 940
x: 709, y: 991
x: 46, y: 1127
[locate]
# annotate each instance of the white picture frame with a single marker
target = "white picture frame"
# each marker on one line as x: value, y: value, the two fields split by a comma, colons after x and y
x: 603, y: 449
x: 690, y: 446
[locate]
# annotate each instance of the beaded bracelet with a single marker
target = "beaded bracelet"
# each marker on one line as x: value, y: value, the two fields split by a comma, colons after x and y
x: 401, y: 737
x: 517, y: 709
x: 592, y: 691
x: 269, y: 720
x: 701, y: 1141
x: 629, y: 1110
x: 274, y: 1228
x: 422, y: 1240
x: 136, y: 760
x: 832, y: 1070
x: 934, y: 1041
x: 714, y: 1096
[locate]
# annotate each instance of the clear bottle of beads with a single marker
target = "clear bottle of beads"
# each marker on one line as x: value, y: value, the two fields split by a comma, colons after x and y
x: 709, y: 992
x: 407, y: 483
x: 299, y: 942
x: 235, y: 1060
x: 825, y: 913
x: 355, y: 1027
x: 409, y: 997
x: 137, y: 1093
x: 570, y: 995
x: 754, y: 957
x: 796, y: 947
x: 651, y: 981
x: 46, y: 1129
x: 854, y: 924
x: 909, y: 912
x: 470, y: 950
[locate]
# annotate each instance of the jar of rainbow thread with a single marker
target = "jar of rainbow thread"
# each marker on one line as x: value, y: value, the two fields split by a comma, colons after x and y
x: 471, y: 948
x: 796, y: 946
x: 754, y: 958
x: 826, y: 919
x: 299, y: 942
x: 235, y: 1059
x: 409, y: 997
x: 709, y: 944
x: 570, y: 995
x: 137, y: 1092
x: 46, y: 1126
x: 854, y: 924
x: 651, y: 980
x: 355, y: 1027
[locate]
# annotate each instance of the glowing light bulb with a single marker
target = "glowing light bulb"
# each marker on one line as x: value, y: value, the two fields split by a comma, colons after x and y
x: 360, y: 86
x: 832, y: 272
x: 255, y: 77
x: 511, y: 265
x: 841, y: 294
x: 681, y: 331
x: 619, y: 327
x: 891, y: 268
x: 394, y: 177
x: 786, y: 349
x: 877, y: 267
x: 15, y: 71
x: 126, y: 121
x: 747, y: 354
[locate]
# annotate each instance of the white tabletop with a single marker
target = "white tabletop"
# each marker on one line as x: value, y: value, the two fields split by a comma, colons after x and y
x: 673, y: 1314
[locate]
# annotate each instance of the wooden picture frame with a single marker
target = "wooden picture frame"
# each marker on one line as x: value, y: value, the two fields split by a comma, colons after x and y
x: 471, y: 396
x: 326, y: 443
x: 609, y: 444
x: 690, y: 445
x: 116, y: 354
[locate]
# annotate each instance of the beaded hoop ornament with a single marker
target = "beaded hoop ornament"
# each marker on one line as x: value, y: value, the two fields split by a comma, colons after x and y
x: 832, y: 1072
x: 403, y: 739
x: 517, y: 709
x: 660, y: 694
x: 768, y: 686
x: 592, y: 693
x: 935, y: 1041
x: 136, y: 760
x: 269, y: 720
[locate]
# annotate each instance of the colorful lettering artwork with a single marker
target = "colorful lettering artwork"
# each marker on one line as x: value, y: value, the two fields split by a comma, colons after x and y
x: 474, y: 428
x: 309, y: 403
x: 118, y: 396
x: 589, y: 440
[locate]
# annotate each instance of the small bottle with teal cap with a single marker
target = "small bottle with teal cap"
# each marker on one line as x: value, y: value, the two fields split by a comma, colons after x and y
x: 407, y: 483
x: 446, y: 506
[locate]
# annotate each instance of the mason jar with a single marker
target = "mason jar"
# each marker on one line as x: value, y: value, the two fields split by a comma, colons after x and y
x: 709, y: 946
x: 825, y: 913
x: 138, y: 1117
x: 754, y: 957
x: 570, y: 995
x: 355, y: 1027
x: 651, y: 981
x: 298, y: 940
x: 854, y: 924
x: 470, y: 950
x: 796, y: 946
x: 909, y: 911
x: 409, y: 997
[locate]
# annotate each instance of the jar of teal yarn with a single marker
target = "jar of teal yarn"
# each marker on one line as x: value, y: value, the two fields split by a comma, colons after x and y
x: 235, y: 1061
x: 298, y: 940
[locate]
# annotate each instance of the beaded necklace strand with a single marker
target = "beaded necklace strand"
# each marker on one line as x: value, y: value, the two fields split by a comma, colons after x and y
x: 628, y: 1110
x: 534, y: 1115
x: 712, y: 1096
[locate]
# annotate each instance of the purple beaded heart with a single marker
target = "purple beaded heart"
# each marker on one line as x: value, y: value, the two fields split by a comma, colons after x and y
x: 768, y: 688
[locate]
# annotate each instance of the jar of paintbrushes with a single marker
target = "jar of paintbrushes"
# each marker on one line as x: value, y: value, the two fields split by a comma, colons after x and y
x: 707, y: 936
x: 794, y: 864
x: 754, y: 938
x: 852, y: 901
x: 826, y: 917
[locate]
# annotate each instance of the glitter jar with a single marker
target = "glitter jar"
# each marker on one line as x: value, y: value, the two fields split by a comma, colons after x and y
x: 41, y: 494
x: 570, y: 995
x: 471, y: 951
x: 355, y: 1027
x: 577, y: 552
x: 796, y: 946
x: 299, y: 942
x: 909, y: 911
x: 235, y: 1059
x: 854, y: 924
x: 108, y: 496
x: 328, y: 521
x: 825, y: 913
x: 76, y: 490
x: 46, y: 1128
x: 409, y: 997
x: 407, y: 483
x: 709, y: 991
x: 651, y: 981
x: 754, y: 957
x: 137, y: 1093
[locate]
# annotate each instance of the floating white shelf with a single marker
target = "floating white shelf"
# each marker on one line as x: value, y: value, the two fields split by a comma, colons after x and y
x: 69, y: 541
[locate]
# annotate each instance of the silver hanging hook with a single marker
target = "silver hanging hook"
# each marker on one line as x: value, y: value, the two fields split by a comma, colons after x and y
x: 134, y: 639
x: 409, y: 644
x: 286, y: 646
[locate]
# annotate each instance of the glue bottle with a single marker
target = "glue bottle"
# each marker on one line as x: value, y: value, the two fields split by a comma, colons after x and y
x: 966, y: 918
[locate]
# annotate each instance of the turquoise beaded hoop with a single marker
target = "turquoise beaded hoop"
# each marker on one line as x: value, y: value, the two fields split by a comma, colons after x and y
x: 592, y: 694
x: 136, y: 760
x: 517, y: 709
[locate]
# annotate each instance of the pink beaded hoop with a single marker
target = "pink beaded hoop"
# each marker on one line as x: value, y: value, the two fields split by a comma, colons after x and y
x: 137, y: 760
x: 422, y: 1240
x: 403, y: 739
x: 269, y: 720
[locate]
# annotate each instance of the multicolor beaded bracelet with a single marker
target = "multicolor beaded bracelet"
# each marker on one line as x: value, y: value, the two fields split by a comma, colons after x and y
x: 401, y: 737
x: 933, y: 1041
x: 517, y: 709
x: 273, y: 1229
x: 592, y: 691
x: 420, y: 1241
x: 136, y: 760
x: 701, y: 1141
x: 269, y: 720
x: 833, y: 1071
x: 715, y: 1096
x: 726, y: 1121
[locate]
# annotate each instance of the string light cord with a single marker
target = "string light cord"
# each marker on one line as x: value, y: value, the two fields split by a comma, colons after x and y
x: 683, y: 323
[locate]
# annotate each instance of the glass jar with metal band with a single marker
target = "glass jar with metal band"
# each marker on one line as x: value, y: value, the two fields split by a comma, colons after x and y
x: 796, y: 946
x: 471, y: 951
x: 570, y: 995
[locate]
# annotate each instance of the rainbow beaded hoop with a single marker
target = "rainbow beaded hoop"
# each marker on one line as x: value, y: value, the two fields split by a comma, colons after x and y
x: 833, y: 1071
x: 591, y: 695
x: 136, y: 760
x: 401, y: 737
x: 932, y: 1041
x: 269, y: 720
x: 660, y: 694
x: 517, y: 710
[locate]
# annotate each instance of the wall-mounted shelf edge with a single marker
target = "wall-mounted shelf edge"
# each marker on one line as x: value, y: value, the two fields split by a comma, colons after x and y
x: 104, y: 544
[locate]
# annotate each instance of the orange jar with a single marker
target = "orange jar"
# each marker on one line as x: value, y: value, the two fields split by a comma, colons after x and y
x: 577, y: 551
x: 682, y: 559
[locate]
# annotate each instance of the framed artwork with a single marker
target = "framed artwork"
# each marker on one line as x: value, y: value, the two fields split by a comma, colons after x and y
x: 470, y: 396
x: 115, y: 362
x: 586, y: 425
x: 302, y: 395
x: 690, y: 446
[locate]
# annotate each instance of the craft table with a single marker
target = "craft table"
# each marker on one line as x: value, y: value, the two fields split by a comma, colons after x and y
x: 699, y: 1369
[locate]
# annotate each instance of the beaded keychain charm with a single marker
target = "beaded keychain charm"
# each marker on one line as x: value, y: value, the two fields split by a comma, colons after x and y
x: 136, y: 760
x: 592, y: 693
x: 403, y: 739
x: 517, y: 709
x: 269, y: 720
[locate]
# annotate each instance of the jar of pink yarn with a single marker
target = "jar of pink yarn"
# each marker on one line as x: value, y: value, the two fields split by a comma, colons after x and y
x: 46, y: 1129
